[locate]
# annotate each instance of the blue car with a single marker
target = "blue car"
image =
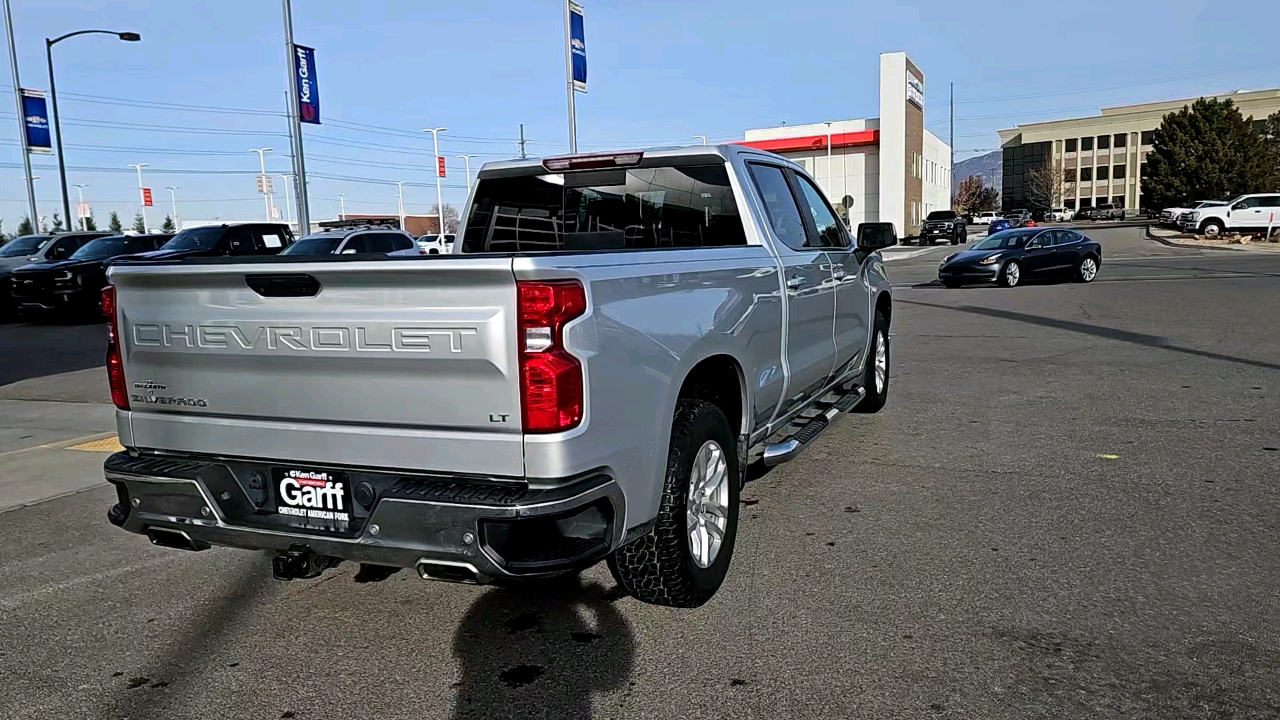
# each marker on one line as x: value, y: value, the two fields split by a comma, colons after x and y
x: 998, y: 225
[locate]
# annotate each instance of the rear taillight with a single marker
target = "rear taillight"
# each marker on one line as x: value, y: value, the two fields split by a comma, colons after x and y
x: 115, y: 363
x: 550, y: 378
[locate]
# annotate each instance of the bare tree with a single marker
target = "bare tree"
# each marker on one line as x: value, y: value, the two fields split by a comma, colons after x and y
x: 1046, y: 185
x: 450, y: 217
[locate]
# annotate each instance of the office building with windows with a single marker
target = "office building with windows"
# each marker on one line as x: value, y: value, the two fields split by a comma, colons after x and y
x: 1103, y: 157
x: 885, y: 169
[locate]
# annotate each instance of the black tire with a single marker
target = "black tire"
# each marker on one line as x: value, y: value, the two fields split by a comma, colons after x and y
x: 955, y: 241
x: 877, y: 392
x: 659, y: 568
x: 1213, y: 228
x: 1085, y: 272
x: 1007, y: 280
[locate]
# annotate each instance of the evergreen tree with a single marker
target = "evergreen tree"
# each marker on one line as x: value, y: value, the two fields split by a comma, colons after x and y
x: 139, y: 225
x: 168, y: 225
x: 90, y: 225
x: 25, y: 228
x: 113, y: 224
x: 1207, y: 151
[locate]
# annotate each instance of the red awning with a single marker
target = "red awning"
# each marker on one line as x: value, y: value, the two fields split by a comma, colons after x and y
x: 815, y: 142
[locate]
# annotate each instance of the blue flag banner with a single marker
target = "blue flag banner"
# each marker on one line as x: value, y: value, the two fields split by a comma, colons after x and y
x: 35, y: 117
x: 304, y: 73
x: 578, y: 47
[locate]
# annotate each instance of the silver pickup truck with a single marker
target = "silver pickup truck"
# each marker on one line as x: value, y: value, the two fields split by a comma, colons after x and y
x: 614, y: 340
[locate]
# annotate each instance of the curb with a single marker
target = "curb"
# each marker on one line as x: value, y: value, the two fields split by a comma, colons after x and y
x: 1227, y: 248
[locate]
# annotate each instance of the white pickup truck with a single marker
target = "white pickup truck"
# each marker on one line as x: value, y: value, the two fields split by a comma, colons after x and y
x: 1247, y: 213
x: 613, y: 341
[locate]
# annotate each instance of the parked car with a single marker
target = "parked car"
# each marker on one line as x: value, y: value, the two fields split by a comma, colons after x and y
x: 1017, y: 217
x: 1105, y: 211
x: 1012, y: 256
x: 985, y: 217
x: 945, y: 225
x: 434, y: 244
x: 1057, y: 215
x: 35, y: 248
x: 1169, y: 217
x: 999, y: 225
x: 355, y: 241
x: 1248, y: 213
x: 242, y: 239
x: 582, y: 380
x: 74, y: 285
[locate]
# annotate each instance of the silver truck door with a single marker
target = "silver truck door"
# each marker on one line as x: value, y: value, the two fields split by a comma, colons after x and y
x: 853, y: 297
x: 810, y: 293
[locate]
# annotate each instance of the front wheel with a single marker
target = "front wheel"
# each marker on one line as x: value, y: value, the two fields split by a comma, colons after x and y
x: 683, y: 561
x: 1212, y: 228
x: 1087, y: 270
x: 1011, y: 274
x: 876, y: 378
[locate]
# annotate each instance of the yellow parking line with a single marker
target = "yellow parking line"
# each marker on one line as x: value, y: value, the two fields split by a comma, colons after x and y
x: 109, y: 444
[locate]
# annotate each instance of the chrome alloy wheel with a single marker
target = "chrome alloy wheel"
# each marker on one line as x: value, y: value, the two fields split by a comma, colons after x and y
x: 1088, y: 269
x: 707, y: 513
x: 882, y: 362
x: 1012, y: 274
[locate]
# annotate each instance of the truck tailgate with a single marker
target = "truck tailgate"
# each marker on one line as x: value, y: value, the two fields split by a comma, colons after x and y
x: 398, y: 364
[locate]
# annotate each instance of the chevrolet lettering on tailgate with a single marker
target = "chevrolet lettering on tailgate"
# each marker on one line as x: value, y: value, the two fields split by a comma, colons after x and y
x: 296, y: 338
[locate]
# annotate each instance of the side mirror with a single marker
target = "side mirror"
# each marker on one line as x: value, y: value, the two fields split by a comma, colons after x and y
x: 1239, y: 206
x: 1034, y: 245
x: 876, y: 236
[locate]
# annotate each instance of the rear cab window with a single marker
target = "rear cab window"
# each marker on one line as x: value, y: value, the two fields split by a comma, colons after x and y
x: 638, y: 208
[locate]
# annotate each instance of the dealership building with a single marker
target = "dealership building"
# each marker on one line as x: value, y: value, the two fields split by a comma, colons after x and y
x: 1103, y: 157
x: 884, y: 169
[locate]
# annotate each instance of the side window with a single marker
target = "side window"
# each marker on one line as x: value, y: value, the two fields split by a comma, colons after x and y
x: 270, y: 240
x: 239, y: 241
x: 1271, y: 201
x: 784, y: 216
x: 382, y: 242
x: 1253, y: 202
x: 356, y: 245
x: 830, y: 230
x: 1045, y: 239
x: 401, y: 242
x: 62, y: 248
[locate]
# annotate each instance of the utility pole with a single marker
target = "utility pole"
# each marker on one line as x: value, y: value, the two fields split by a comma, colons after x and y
x: 141, y: 204
x: 952, y: 142
x: 435, y: 143
x: 522, y: 142
x: 22, y: 123
x: 830, y: 185
x: 173, y: 199
x: 467, y: 159
x: 295, y: 126
x: 265, y: 179
x: 400, y: 202
x: 80, y: 193
x: 288, y: 201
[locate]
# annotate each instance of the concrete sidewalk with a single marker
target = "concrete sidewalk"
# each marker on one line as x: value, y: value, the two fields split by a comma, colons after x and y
x: 48, y: 449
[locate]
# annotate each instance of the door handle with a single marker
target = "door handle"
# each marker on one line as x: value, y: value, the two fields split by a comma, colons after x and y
x: 795, y: 282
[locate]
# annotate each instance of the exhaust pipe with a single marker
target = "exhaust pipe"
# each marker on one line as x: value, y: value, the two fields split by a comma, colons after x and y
x: 177, y: 539
x: 458, y: 572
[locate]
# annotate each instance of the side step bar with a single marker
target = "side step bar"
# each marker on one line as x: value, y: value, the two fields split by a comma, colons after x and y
x: 788, y: 449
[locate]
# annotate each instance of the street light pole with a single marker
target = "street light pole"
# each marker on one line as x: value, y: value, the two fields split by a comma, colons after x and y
x: 141, y: 204
x: 703, y: 138
x: 262, y: 163
x: 467, y: 159
x: 288, y: 201
x: 80, y: 194
x: 400, y: 201
x: 22, y: 123
x: 829, y: 184
x: 173, y: 198
x: 435, y: 142
x: 53, y: 101
x: 568, y: 71
x: 342, y: 206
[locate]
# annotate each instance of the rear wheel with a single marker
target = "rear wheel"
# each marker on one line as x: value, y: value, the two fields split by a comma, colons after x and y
x: 683, y: 561
x: 1010, y: 274
x: 876, y: 378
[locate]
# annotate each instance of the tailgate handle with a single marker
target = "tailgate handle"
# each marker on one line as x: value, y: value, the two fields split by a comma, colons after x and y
x: 288, y: 285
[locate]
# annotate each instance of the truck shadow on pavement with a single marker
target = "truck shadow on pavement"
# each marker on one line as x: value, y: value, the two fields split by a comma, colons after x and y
x: 540, y: 650
x: 1154, y: 341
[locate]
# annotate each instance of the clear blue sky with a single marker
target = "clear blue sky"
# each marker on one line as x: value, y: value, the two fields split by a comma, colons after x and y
x: 660, y: 72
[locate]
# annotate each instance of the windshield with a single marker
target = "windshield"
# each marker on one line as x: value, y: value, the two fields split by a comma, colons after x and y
x: 603, y: 210
x: 942, y: 215
x: 1005, y: 240
x: 102, y: 248
x: 28, y: 245
x: 195, y: 239
x: 314, y: 245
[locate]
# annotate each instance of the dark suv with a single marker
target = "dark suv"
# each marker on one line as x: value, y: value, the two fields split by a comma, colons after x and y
x: 36, y: 248
x: 74, y: 284
x: 216, y: 240
x: 943, y: 225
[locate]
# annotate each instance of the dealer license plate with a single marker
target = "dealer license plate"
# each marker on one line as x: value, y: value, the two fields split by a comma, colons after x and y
x: 313, y: 500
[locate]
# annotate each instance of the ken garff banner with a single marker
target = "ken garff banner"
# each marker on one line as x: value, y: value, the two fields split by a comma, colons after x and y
x: 578, y: 47
x: 304, y: 71
x: 36, y: 119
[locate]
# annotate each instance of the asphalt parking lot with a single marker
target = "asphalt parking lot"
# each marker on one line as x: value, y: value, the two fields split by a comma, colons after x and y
x: 1069, y: 509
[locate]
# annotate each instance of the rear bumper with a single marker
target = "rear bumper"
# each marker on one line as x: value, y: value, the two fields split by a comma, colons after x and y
x: 492, y: 529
